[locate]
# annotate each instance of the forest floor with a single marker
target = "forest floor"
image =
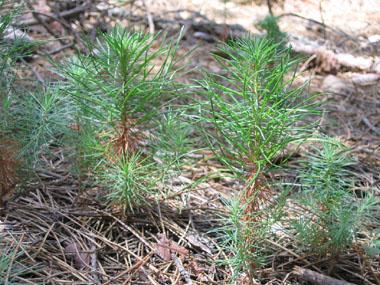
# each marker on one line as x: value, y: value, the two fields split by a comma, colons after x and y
x: 76, y: 239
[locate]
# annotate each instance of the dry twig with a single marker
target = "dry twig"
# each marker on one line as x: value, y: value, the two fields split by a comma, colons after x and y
x: 317, y: 278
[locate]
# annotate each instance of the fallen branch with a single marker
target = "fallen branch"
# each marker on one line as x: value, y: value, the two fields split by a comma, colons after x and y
x: 64, y: 23
x: 181, y: 269
x: 57, y: 50
x: 42, y: 21
x: 93, y: 263
x: 317, y: 278
x: 329, y: 60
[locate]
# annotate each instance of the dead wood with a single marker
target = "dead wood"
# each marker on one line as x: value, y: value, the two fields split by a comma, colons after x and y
x: 330, y: 62
x: 317, y: 278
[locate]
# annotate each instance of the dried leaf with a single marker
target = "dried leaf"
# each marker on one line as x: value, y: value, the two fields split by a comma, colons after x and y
x: 82, y: 260
x: 162, y: 248
x: 199, y: 242
x: 165, y: 247
x: 326, y: 61
x: 198, y: 271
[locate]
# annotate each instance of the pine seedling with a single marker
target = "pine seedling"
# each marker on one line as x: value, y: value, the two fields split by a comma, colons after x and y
x: 36, y: 122
x: 29, y: 120
x: 172, y: 141
x: 273, y: 32
x: 331, y: 215
x: 253, y: 114
x: 133, y: 180
x: 259, y: 113
x: 40, y: 119
x: 242, y: 239
x: 118, y: 89
x: 9, y: 164
x: 118, y: 84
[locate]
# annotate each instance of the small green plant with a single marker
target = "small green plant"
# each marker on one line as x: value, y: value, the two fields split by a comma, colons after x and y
x: 39, y: 120
x: 118, y: 89
x: 118, y: 84
x: 244, y: 232
x: 172, y: 141
x: 133, y: 179
x: 35, y: 122
x: 252, y: 115
x: 236, y: 235
x: 30, y: 120
x: 269, y: 24
x: 255, y: 111
x: 330, y: 214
